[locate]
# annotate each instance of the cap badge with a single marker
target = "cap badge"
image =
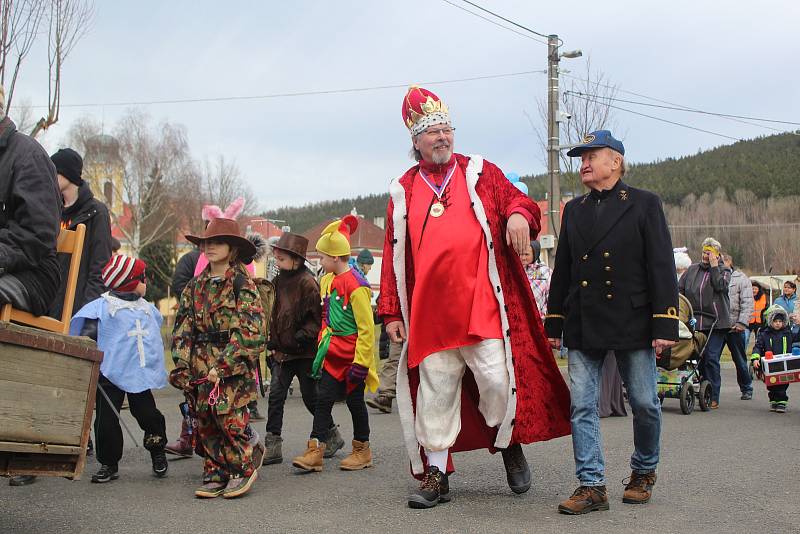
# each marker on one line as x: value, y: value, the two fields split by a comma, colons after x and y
x: 588, y: 138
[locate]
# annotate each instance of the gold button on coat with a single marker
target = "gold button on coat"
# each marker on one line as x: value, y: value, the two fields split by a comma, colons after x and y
x: 609, y: 296
x: 584, y: 283
x: 606, y: 254
x: 608, y: 283
x: 585, y: 257
x: 607, y: 267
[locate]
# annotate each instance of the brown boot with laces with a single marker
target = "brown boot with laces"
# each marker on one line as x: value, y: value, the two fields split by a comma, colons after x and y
x: 585, y: 499
x: 360, y: 458
x: 311, y: 460
x: 639, y: 488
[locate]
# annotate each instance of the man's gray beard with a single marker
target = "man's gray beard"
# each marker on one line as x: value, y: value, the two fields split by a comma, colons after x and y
x: 441, y: 159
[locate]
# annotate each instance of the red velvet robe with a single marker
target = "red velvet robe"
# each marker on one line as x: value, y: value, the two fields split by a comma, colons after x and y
x: 539, y: 397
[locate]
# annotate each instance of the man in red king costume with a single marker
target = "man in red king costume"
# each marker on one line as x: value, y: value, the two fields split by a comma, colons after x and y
x: 476, y: 371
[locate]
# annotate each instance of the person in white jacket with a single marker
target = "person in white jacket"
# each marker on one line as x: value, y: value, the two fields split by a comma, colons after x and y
x: 741, y: 296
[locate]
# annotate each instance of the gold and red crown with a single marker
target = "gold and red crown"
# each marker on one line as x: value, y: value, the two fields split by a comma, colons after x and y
x: 419, y: 104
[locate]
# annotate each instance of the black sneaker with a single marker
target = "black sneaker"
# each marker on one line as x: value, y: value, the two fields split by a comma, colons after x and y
x: 747, y: 395
x: 106, y: 474
x: 22, y: 480
x: 518, y: 474
x: 773, y: 406
x: 160, y: 464
x: 780, y: 407
x: 433, y: 489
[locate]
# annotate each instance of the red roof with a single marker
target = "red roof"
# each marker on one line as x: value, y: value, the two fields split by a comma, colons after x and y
x: 544, y: 207
x: 260, y: 226
x: 255, y: 224
x: 123, y: 221
x: 367, y: 235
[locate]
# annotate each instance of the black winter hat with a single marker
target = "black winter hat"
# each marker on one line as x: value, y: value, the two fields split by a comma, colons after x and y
x: 69, y: 164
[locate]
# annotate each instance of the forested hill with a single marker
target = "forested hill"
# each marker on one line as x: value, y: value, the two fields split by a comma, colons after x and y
x: 767, y: 166
x: 302, y: 218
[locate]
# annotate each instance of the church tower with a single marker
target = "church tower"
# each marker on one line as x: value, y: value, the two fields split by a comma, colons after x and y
x: 104, y: 170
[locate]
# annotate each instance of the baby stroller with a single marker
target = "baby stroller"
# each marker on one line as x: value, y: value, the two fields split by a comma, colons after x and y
x: 678, y: 366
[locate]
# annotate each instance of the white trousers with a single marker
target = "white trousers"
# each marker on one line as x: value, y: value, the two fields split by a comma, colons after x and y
x: 438, y: 414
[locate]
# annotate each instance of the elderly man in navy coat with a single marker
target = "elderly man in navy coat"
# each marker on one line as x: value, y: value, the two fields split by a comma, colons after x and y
x: 613, y: 289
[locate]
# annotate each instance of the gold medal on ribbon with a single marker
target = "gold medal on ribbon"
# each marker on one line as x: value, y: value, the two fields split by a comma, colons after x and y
x: 437, y: 209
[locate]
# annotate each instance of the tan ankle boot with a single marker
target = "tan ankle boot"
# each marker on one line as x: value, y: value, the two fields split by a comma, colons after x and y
x: 311, y: 460
x: 359, y: 458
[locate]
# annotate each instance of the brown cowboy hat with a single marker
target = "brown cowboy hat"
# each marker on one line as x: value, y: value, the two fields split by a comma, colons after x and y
x: 226, y: 230
x: 293, y: 244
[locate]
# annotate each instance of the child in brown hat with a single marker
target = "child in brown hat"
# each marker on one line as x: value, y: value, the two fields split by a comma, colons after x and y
x: 216, y: 342
x: 296, y: 318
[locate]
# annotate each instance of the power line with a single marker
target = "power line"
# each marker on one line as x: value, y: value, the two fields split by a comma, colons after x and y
x: 688, y: 110
x: 473, y: 4
x: 664, y: 120
x: 299, y: 93
x: 615, y: 88
x: 490, y: 21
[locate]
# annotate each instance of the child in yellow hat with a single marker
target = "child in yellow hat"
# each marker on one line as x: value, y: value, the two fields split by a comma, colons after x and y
x: 345, y: 361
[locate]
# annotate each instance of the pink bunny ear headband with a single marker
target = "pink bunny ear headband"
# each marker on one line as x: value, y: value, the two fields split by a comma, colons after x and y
x: 210, y: 211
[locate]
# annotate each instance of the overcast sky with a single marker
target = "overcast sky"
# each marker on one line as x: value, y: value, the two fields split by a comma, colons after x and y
x: 738, y: 57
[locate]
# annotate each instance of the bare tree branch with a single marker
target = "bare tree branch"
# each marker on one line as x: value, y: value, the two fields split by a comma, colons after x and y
x: 19, y: 28
x: 69, y: 21
x: 588, y: 114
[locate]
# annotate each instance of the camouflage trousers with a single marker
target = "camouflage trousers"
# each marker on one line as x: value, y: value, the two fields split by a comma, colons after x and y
x: 225, y: 441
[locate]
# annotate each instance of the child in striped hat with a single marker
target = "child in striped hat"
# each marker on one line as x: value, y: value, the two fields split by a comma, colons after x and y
x: 127, y: 329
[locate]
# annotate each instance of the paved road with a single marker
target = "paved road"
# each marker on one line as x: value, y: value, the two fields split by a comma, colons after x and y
x: 730, y: 470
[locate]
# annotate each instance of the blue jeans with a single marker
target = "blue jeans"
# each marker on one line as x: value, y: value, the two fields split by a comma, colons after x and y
x: 638, y: 371
x: 709, y: 364
x: 736, y: 344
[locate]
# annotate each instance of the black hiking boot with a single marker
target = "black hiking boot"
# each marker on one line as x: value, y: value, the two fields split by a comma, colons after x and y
x: 433, y: 489
x: 518, y: 474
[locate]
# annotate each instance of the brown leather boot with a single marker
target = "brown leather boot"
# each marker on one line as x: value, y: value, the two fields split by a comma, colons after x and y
x: 360, y: 458
x: 585, y: 499
x: 639, y: 488
x: 311, y: 460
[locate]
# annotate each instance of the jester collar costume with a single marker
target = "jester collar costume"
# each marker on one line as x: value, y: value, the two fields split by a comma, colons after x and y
x: 347, y: 332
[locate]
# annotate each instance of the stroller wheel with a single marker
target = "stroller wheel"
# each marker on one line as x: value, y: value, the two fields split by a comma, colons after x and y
x: 687, y: 398
x: 705, y: 395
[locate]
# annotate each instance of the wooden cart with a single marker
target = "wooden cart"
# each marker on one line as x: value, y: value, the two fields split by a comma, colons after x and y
x: 47, y: 393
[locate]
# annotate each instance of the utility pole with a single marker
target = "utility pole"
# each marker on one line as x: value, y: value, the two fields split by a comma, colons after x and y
x: 553, y: 136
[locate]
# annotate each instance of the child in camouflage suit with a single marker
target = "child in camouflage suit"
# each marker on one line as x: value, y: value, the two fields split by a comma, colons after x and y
x: 216, y: 342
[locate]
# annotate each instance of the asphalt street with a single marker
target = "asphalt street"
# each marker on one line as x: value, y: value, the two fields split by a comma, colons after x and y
x: 734, y: 469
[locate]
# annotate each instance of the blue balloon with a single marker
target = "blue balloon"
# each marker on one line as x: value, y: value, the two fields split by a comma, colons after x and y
x: 513, y: 177
x: 522, y: 186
